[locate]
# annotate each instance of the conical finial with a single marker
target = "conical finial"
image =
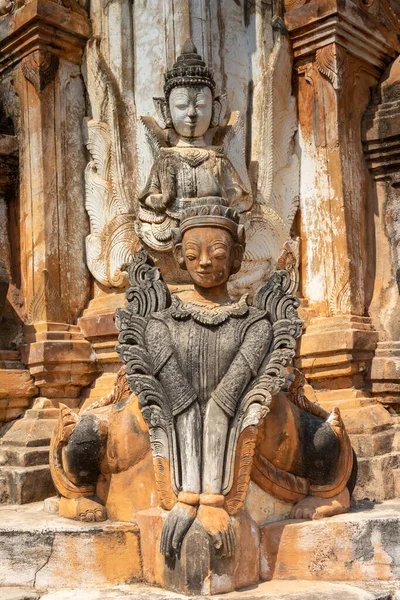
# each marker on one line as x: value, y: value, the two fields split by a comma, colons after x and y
x: 189, y: 47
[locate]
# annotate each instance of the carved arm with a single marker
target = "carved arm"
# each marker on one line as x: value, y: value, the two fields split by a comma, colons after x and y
x: 166, y: 367
x: 244, y: 367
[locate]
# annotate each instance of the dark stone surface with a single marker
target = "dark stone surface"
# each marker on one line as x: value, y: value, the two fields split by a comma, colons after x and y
x: 4, y: 283
x: 82, y: 451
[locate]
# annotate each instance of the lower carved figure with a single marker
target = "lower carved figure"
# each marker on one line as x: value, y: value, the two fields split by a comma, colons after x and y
x: 215, y: 401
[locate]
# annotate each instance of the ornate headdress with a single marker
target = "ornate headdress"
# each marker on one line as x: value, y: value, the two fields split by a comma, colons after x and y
x: 189, y: 70
x: 212, y: 212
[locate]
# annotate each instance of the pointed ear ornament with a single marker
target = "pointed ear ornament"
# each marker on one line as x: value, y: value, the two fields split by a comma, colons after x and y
x: 163, y: 112
x: 219, y: 110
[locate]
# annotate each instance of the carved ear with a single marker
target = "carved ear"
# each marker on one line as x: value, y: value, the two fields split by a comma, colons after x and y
x: 219, y: 110
x: 177, y: 247
x: 163, y: 114
x: 178, y: 253
x: 238, y: 252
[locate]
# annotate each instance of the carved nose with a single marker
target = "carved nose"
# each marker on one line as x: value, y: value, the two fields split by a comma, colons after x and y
x: 205, y: 262
x: 192, y: 112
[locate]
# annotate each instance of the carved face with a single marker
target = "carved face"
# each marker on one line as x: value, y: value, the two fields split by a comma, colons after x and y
x: 191, y: 110
x: 210, y: 255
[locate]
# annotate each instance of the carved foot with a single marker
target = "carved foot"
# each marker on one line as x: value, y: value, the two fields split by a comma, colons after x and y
x: 217, y: 523
x: 83, y: 509
x: 312, y: 507
x: 176, y: 526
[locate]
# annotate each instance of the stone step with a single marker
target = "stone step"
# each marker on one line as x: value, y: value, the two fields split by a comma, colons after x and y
x: 335, y: 558
x: 42, y: 413
x: 14, y: 456
x: 284, y: 590
x: 28, y: 432
x: 42, y: 551
x: 361, y: 546
x: 21, y: 485
x: 18, y: 593
x: 368, y: 445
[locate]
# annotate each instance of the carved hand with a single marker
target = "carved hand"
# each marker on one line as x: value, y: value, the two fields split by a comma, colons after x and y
x: 156, y: 202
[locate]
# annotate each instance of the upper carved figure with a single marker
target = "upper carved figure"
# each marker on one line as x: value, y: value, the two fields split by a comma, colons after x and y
x: 186, y: 165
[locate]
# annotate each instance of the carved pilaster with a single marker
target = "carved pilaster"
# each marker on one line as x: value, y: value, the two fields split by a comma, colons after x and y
x: 42, y: 43
x: 381, y: 137
x: 340, y: 51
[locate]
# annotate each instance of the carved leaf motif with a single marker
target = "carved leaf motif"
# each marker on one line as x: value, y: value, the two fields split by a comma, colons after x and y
x: 46, y: 304
x: 109, y: 197
x: 339, y: 300
x: 332, y: 62
x: 40, y: 68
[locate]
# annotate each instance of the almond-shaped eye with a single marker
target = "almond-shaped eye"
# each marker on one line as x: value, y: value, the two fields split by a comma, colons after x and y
x: 219, y: 254
x: 191, y: 256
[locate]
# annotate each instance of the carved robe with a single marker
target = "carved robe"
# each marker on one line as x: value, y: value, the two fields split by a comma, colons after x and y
x: 200, y: 354
x: 179, y: 175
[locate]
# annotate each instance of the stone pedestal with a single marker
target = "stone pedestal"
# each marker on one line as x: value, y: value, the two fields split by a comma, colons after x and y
x: 17, y: 386
x: 199, y: 569
x: 336, y: 352
x: 61, y: 361
x: 98, y: 326
x: 41, y: 551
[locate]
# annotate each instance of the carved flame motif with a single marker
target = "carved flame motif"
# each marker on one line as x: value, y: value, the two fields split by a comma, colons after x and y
x: 40, y: 68
x: 332, y: 63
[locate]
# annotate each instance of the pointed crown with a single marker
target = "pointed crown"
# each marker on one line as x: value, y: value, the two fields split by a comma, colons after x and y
x: 189, y: 70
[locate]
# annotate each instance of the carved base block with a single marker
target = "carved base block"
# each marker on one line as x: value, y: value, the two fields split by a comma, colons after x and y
x: 45, y: 551
x: 98, y: 326
x: 356, y: 547
x: 24, y: 457
x: 16, y: 393
x: 335, y: 352
x: 199, y: 569
x: 385, y: 373
x: 59, y: 358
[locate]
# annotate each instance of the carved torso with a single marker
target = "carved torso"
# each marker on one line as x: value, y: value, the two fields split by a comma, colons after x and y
x: 180, y: 174
x: 217, y: 351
